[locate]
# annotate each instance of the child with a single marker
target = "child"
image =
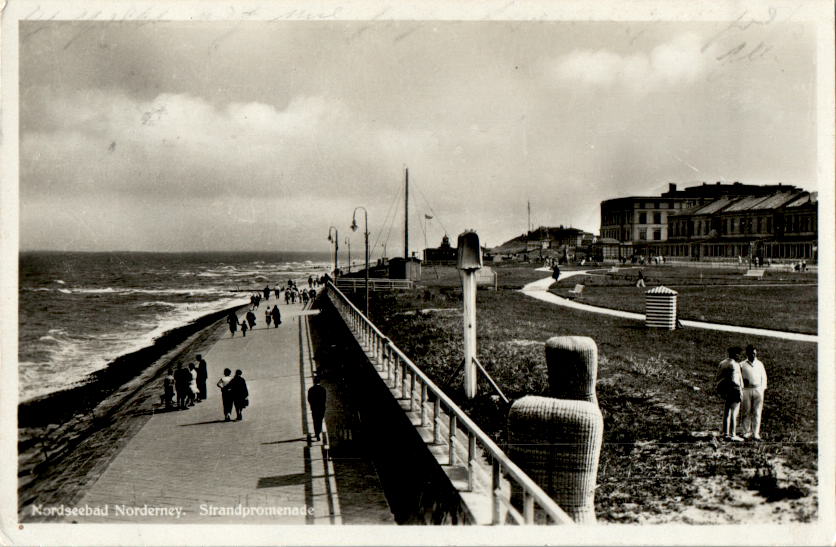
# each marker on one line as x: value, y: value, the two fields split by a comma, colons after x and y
x: 168, y: 391
x: 244, y: 328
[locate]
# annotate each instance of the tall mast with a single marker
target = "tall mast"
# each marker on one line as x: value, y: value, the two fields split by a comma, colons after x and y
x: 406, y: 216
x: 529, y: 216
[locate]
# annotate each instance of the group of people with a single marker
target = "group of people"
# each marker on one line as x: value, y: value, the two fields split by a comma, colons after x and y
x: 740, y: 384
x: 183, y: 387
x: 272, y: 315
x: 234, y: 393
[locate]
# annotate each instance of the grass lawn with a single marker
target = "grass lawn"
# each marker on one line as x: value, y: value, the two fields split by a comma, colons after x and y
x: 655, y: 389
x: 784, y: 301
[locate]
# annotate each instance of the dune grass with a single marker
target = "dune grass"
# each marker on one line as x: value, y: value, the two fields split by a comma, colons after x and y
x: 654, y: 388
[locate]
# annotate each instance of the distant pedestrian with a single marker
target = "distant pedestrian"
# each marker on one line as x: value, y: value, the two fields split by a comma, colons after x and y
x: 304, y: 296
x: 277, y: 292
x: 182, y: 379
x: 277, y: 316
x: 729, y: 386
x: 244, y: 328
x: 267, y: 316
x: 754, y: 386
x: 803, y: 265
x: 202, y: 376
x: 556, y: 272
x: 312, y: 294
x: 226, y: 393
x: 267, y: 293
x: 239, y: 394
x: 640, y: 280
x: 316, y: 402
x: 232, y: 321
x: 310, y: 281
x: 251, y: 319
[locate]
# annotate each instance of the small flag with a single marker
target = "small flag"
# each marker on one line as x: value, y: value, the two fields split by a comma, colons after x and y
x: 428, y: 217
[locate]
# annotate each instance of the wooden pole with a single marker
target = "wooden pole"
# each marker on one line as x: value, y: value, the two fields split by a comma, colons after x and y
x: 469, y: 315
x: 406, y: 216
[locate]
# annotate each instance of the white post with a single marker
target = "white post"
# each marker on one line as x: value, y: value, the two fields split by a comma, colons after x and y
x: 469, y: 298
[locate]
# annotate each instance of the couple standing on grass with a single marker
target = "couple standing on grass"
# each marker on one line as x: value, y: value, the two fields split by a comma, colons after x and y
x: 233, y: 393
x: 741, y: 382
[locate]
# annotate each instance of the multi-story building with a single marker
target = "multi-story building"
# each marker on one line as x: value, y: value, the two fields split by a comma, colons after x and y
x: 641, y: 224
x: 777, y: 227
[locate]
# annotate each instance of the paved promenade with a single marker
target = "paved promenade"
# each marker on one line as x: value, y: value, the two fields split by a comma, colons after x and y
x: 214, y: 471
x: 540, y: 291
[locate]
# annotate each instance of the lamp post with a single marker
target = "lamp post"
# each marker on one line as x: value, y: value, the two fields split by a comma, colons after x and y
x: 336, y: 241
x: 366, y: 239
x: 348, y: 242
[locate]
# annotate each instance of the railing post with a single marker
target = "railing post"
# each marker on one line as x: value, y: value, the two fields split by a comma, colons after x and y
x: 411, y: 390
x: 403, y: 380
x: 423, y: 404
x: 528, y: 507
x: 471, y: 459
x: 451, y: 443
x: 495, y: 490
x: 436, y: 420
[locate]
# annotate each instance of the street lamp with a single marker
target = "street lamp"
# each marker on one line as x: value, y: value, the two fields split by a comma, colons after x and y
x: 336, y: 241
x: 366, y: 236
x: 348, y: 242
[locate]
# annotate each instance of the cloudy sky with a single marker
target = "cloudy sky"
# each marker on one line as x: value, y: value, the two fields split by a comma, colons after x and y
x: 260, y: 135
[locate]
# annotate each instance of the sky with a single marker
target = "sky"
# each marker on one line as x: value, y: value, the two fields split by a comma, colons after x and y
x: 202, y: 136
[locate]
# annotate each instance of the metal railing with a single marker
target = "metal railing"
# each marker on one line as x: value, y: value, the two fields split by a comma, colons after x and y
x: 433, y: 403
x: 375, y: 283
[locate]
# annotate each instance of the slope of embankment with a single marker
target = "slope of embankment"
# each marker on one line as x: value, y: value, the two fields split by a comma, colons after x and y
x: 66, y: 438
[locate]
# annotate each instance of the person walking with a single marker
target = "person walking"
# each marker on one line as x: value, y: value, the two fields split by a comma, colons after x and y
x: 267, y: 293
x: 226, y: 393
x: 244, y: 328
x: 251, y: 319
x: 232, y: 321
x: 729, y: 385
x: 556, y: 273
x: 640, y: 280
x: 202, y: 376
x: 168, y: 391
x: 267, y: 316
x: 277, y: 316
x: 239, y: 394
x: 182, y: 379
x: 192, y: 384
x: 316, y: 402
x: 754, y: 386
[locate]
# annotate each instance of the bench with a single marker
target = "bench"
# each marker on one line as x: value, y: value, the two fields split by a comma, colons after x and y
x: 576, y: 292
x: 754, y: 273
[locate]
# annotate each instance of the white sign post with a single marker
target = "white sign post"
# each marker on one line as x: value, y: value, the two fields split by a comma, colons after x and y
x: 469, y: 260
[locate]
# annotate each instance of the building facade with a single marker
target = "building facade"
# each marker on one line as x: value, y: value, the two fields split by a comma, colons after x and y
x: 713, y: 222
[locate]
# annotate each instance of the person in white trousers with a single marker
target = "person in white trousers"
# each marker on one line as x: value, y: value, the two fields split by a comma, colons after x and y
x: 754, y: 385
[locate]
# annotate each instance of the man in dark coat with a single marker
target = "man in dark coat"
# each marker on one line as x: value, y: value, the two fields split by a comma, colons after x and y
x: 277, y: 316
x: 316, y: 401
x: 239, y: 392
x: 202, y: 375
x: 182, y: 379
x: 251, y: 319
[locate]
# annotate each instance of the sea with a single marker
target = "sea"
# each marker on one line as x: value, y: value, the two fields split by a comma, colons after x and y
x: 79, y: 311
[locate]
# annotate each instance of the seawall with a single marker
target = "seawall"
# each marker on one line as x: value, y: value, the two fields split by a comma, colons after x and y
x: 66, y: 438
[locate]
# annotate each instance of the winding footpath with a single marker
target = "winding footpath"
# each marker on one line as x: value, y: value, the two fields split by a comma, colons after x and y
x: 540, y: 290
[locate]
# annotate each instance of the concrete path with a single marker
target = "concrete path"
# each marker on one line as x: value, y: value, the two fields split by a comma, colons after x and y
x: 191, y: 466
x: 540, y: 291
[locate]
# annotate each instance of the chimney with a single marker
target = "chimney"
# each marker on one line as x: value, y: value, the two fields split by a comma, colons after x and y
x: 671, y: 187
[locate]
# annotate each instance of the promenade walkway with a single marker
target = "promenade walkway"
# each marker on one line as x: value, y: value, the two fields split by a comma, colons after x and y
x: 540, y: 290
x: 191, y: 466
